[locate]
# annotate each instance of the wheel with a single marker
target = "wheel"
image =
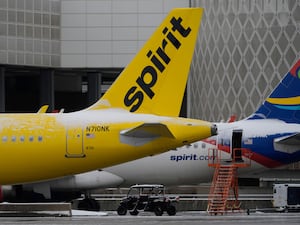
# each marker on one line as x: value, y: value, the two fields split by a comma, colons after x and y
x: 122, y: 210
x: 158, y: 210
x: 171, y: 210
x: 134, y: 212
x: 89, y: 204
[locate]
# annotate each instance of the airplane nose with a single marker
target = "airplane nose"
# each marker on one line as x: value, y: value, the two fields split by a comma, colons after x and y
x: 214, y: 130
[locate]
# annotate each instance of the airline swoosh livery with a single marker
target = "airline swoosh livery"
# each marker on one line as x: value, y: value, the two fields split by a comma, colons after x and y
x: 135, y: 118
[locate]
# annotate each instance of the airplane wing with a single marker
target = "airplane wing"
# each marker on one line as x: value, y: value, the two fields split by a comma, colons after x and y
x: 145, y: 133
x: 288, y: 144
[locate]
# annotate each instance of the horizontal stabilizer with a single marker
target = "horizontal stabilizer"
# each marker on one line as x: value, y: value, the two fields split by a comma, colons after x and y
x: 288, y: 144
x: 293, y: 139
x: 145, y: 133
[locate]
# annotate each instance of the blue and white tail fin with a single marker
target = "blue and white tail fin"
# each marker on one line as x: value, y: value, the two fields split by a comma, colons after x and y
x: 284, y: 101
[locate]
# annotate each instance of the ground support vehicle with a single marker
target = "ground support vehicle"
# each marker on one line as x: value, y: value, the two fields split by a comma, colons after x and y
x: 147, y: 197
x: 286, y: 197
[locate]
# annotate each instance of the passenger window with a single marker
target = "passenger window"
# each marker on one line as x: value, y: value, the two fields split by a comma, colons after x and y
x: 40, y: 138
x: 31, y: 138
x: 13, y: 138
x: 4, y: 139
x: 22, y: 139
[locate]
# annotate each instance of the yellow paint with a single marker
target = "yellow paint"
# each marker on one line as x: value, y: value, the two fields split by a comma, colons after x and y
x: 41, y: 146
x: 35, y: 146
x: 43, y: 109
x: 285, y: 101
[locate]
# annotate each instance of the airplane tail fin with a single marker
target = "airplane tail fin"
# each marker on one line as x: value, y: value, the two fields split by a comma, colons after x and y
x: 155, y: 80
x: 284, y: 101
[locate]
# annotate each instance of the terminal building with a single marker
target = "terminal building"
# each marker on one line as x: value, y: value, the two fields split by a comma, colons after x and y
x: 66, y: 53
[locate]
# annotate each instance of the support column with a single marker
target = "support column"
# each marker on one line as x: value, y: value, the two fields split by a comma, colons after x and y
x: 47, y: 88
x: 2, y: 89
x: 94, y: 87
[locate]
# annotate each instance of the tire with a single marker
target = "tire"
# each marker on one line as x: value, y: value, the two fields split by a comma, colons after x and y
x: 122, y: 210
x: 89, y: 204
x: 158, y: 211
x: 134, y: 212
x: 171, y: 210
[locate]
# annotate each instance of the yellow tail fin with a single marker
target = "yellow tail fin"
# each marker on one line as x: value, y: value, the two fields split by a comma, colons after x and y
x: 155, y: 80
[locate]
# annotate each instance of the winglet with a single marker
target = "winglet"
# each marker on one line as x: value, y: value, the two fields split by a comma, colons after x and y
x: 155, y: 80
x: 43, y: 109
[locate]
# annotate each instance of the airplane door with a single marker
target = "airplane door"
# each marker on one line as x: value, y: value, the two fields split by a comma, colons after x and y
x: 236, y: 145
x: 74, y: 148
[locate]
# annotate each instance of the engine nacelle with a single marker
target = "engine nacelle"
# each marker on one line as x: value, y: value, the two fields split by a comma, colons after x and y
x: 84, y: 181
x: 63, y: 189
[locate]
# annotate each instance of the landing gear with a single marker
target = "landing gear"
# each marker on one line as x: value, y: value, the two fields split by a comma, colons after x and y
x: 89, y: 204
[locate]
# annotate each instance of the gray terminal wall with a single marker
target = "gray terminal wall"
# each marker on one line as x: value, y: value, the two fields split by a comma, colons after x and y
x: 244, y: 48
x: 30, y: 32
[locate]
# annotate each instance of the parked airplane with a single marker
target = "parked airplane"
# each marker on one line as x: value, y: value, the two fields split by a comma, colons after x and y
x: 271, y: 135
x: 135, y: 118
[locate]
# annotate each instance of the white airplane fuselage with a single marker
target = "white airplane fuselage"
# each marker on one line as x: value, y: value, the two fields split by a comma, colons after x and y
x: 189, y: 164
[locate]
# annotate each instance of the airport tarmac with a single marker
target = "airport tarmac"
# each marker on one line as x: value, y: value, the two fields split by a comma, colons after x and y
x: 182, y: 218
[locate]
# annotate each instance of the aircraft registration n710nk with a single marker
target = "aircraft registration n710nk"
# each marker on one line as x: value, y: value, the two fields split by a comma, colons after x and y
x: 136, y: 117
x: 271, y: 135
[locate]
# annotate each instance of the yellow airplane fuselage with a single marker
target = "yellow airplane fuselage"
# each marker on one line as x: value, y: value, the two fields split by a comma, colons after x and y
x: 43, y: 146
